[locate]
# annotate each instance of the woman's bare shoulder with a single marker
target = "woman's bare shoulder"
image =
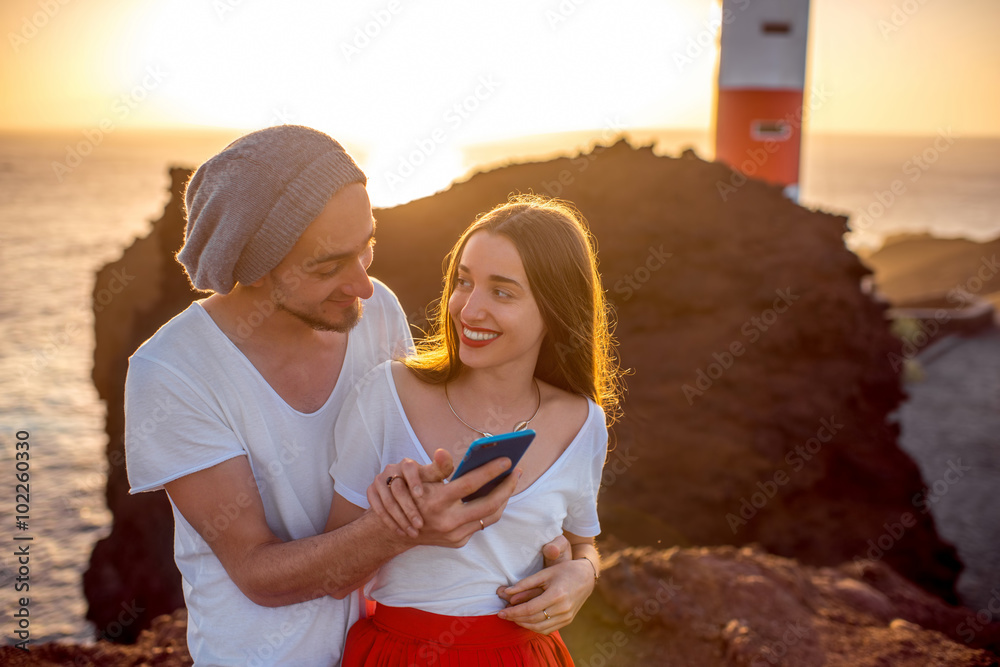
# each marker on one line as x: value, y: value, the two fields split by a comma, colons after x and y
x: 569, y: 405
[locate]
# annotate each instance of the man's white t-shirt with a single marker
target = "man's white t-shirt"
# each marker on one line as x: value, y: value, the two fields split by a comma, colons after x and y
x: 193, y: 400
x: 373, y: 430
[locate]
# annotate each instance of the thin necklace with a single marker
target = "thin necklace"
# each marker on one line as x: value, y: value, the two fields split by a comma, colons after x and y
x: 520, y: 426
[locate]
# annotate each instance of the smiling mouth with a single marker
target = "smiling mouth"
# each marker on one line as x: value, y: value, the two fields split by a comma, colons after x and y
x: 478, y: 336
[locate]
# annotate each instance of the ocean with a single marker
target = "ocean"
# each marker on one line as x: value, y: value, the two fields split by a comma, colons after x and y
x: 69, y: 204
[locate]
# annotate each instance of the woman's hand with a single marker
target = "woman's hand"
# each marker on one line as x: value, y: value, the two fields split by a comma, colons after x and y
x: 550, y: 599
x: 393, y: 492
x: 450, y: 522
x: 419, y: 505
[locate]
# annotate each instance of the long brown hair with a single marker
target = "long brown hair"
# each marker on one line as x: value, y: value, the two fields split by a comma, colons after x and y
x: 557, y: 250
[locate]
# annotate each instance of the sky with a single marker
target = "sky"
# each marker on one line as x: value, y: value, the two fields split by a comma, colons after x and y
x: 382, y: 68
x: 390, y: 77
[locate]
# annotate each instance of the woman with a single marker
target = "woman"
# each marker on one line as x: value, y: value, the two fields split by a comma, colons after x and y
x: 521, y: 340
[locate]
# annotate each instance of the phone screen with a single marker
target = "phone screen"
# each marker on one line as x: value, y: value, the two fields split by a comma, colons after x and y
x: 484, y: 450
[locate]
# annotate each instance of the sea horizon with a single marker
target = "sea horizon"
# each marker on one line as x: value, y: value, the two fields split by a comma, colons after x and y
x: 846, y: 173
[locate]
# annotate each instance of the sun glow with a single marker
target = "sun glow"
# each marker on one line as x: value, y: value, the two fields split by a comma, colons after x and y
x: 416, y: 85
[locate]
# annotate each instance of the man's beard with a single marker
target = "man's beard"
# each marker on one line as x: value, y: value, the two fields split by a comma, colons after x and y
x: 347, y: 322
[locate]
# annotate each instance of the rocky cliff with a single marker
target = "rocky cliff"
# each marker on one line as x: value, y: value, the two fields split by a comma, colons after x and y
x: 133, y: 568
x: 758, y: 411
x: 740, y: 607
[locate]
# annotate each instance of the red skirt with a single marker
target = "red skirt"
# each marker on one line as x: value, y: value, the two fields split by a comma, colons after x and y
x: 401, y: 636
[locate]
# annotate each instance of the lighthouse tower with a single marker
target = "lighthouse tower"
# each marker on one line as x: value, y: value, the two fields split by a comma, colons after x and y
x: 762, y: 71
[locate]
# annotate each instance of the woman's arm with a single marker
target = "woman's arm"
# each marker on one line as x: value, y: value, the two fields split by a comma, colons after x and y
x: 550, y: 599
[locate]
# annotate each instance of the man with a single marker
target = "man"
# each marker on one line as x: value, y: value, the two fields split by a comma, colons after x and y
x: 280, y: 228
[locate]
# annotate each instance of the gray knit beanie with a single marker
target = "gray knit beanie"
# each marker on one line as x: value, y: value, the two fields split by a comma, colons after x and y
x: 248, y: 205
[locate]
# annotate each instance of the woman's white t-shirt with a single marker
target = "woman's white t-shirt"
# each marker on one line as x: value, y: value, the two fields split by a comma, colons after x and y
x: 373, y: 431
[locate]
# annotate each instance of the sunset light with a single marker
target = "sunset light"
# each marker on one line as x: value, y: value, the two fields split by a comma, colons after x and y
x: 389, y: 70
x: 731, y: 263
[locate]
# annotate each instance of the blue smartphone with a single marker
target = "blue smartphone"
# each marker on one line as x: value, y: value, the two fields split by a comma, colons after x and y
x: 512, y: 445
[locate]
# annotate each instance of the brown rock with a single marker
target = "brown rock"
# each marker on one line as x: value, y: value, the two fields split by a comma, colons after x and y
x: 718, y: 606
x: 686, y: 462
x: 164, y: 644
x: 691, y: 275
x: 745, y: 608
x: 132, y: 578
x: 910, y: 268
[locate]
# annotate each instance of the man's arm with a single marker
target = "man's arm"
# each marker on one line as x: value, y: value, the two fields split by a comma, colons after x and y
x: 267, y: 570
x: 273, y: 573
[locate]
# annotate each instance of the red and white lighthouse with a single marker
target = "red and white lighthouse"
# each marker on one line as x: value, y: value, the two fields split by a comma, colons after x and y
x: 762, y: 72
